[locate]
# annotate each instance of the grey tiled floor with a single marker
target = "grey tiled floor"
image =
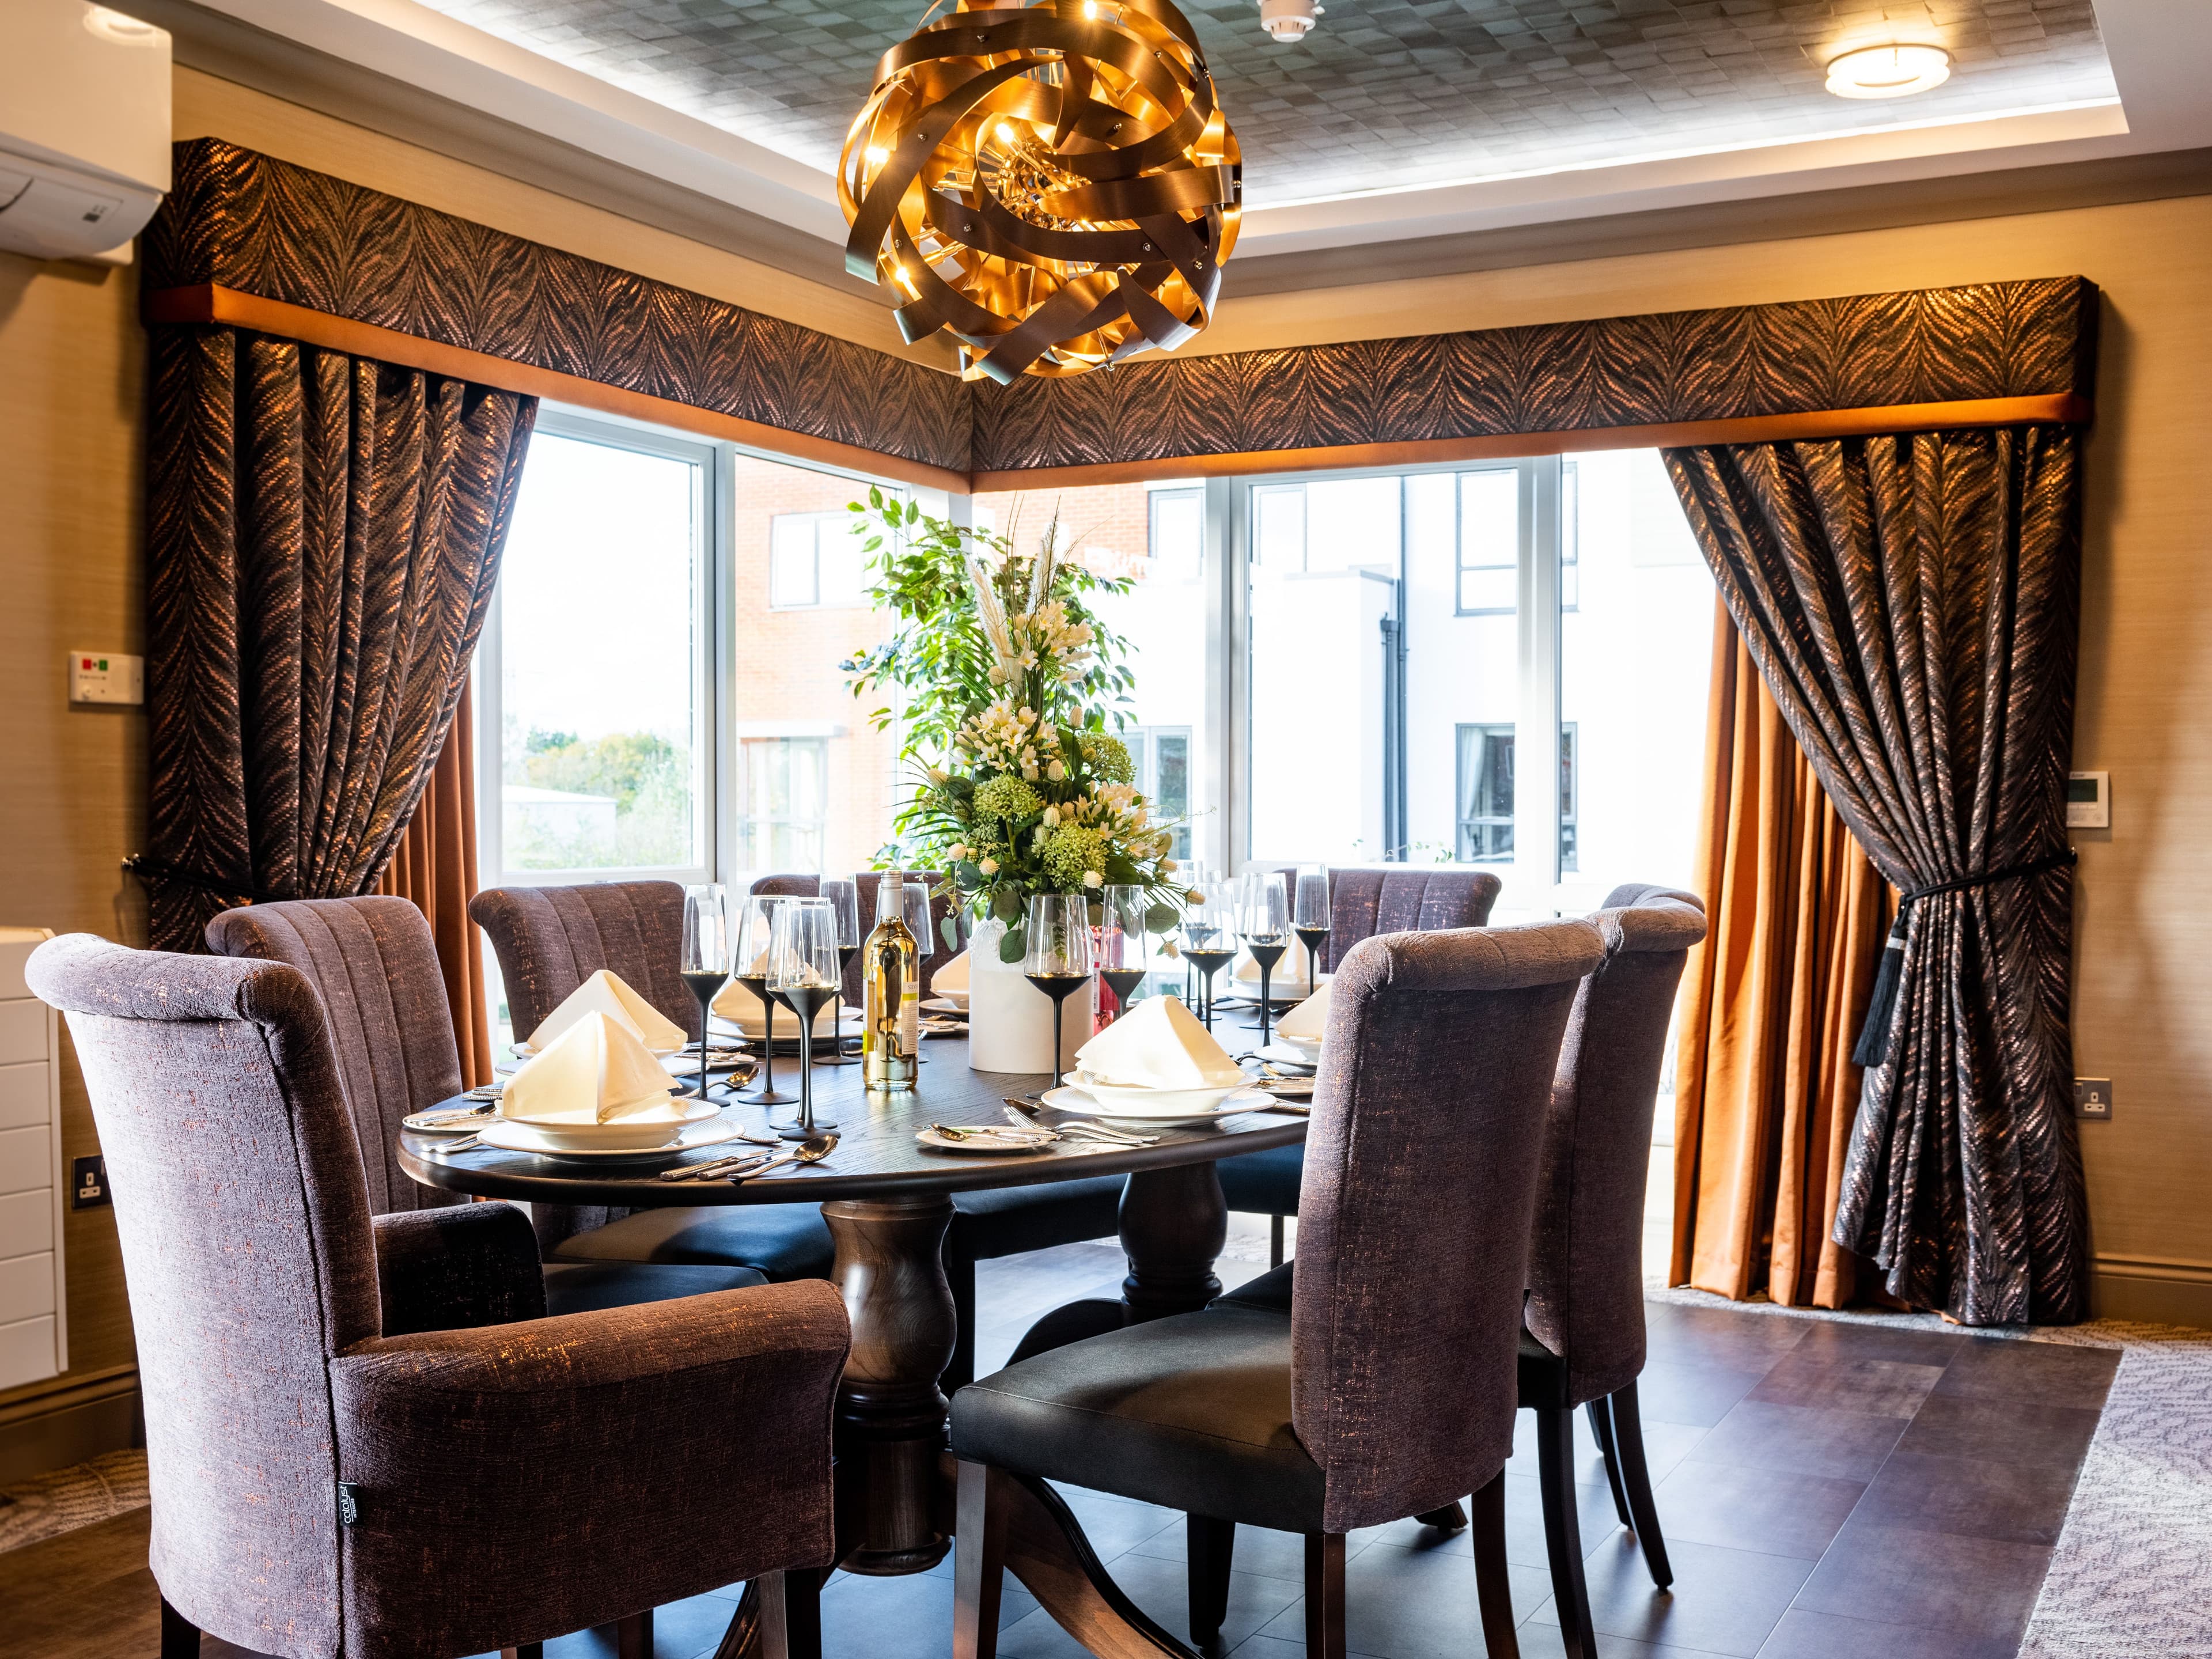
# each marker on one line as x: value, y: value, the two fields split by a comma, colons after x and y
x: 1829, y: 1490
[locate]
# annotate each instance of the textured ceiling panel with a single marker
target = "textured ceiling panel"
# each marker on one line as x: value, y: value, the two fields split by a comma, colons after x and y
x: 1384, y: 92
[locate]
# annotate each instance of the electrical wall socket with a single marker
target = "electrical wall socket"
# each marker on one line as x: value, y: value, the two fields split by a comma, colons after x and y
x: 106, y: 676
x: 2092, y: 1097
x: 88, y: 1183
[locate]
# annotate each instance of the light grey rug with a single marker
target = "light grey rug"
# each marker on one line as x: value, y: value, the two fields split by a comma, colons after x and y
x: 2132, y: 1575
x: 48, y: 1504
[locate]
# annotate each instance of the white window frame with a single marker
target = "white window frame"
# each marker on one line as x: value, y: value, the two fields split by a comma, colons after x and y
x: 711, y: 514
x: 818, y: 603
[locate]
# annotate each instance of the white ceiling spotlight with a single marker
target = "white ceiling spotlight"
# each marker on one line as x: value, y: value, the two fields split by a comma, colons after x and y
x: 1286, y: 21
x: 1892, y: 71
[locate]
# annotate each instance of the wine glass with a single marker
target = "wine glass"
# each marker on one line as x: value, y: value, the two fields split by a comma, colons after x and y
x: 1121, y: 960
x: 842, y: 894
x: 920, y: 923
x: 1309, y: 918
x: 802, y: 970
x: 1210, y: 925
x: 755, y: 935
x: 1266, y: 926
x: 1189, y: 879
x: 706, y: 956
x: 1058, y: 960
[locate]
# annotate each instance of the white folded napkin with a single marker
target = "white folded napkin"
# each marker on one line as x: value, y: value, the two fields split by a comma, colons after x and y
x: 595, y: 1072
x: 1159, y: 1044
x: 603, y: 992
x: 952, y: 977
x: 737, y: 1004
x: 1289, y: 974
x: 1309, y: 1021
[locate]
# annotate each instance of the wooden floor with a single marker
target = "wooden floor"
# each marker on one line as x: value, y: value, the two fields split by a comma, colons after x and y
x: 1829, y: 1490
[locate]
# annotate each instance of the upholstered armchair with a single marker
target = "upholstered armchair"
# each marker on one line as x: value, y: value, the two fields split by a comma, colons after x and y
x: 325, y: 1484
x: 1385, y: 1384
x: 551, y: 939
x: 1362, y: 902
x: 374, y: 966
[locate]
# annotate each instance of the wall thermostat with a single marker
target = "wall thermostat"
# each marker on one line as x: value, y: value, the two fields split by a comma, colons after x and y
x: 2089, y: 800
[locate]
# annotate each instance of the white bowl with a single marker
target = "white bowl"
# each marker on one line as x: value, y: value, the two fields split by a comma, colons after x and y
x: 624, y: 1134
x: 1128, y: 1101
x: 1308, y: 1049
x: 954, y: 994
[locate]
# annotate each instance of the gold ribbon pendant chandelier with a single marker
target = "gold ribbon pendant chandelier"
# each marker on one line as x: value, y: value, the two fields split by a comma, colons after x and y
x: 1052, y: 185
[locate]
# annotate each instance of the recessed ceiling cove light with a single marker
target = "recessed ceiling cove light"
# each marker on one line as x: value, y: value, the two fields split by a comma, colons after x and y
x: 1888, y: 71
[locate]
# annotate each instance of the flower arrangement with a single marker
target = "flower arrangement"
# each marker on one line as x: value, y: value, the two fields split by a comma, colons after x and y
x: 1009, y: 680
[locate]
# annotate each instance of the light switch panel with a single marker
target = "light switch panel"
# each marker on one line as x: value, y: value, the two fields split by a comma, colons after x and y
x: 106, y: 676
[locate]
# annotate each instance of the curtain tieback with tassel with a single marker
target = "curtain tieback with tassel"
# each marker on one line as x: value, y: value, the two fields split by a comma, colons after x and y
x: 1873, y: 1046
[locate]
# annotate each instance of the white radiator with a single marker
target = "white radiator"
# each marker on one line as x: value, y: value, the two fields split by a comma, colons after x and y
x: 33, y: 1312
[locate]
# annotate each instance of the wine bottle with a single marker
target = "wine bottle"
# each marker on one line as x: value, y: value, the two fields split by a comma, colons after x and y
x: 890, y: 1033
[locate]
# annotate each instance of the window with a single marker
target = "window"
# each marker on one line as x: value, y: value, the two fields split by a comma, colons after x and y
x: 1570, y: 562
x: 784, y: 800
x: 815, y: 559
x: 1161, y: 754
x: 1486, y: 793
x: 596, y: 713
x: 1489, y: 543
x: 1177, y: 539
x: 1567, y: 864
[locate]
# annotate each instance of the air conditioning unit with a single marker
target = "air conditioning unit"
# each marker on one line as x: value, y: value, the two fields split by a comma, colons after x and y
x: 84, y: 128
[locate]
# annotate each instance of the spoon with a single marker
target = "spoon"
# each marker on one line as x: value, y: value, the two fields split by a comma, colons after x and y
x: 810, y: 1150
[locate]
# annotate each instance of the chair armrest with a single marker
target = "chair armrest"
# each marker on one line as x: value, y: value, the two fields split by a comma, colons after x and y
x: 592, y: 1464
x: 457, y: 1268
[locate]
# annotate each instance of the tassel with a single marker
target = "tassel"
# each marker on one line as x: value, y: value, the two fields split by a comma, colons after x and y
x: 1873, y: 1046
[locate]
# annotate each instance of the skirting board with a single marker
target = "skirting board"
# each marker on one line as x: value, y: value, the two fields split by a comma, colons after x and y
x: 70, y: 1426
x: 2152, y: 1292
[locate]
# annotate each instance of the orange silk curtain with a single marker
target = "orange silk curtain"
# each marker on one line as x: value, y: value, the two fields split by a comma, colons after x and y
x: 436, y: 867
x: 1764, y: 1089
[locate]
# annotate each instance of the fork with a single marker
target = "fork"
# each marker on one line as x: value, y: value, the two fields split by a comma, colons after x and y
x: 1076, y: 1131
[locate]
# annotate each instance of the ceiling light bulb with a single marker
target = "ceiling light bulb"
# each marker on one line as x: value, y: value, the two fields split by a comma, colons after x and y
x: 1287, y: 20
x: 1006, y: 133
x: 125, y: 31
x: 1090, y: 8
x: 1892, y: 71
x: 878, y: 155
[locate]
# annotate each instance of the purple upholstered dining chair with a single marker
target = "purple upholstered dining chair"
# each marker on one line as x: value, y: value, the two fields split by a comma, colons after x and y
x: 373, y: 965
x: 551, y: 939
x: 1363, y: 903
x: 1583, y: 1345
x: 986, y: 1226
x: 1387, y: 1382
x: 330, y: 1479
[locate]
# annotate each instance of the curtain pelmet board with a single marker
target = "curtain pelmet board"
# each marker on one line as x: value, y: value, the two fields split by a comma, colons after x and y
x: 1911, y: 603
x: 1764, y: 1089
x: 324, y: 534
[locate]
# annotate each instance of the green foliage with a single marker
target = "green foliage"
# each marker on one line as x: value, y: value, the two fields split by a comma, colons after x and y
x: 623, y: 764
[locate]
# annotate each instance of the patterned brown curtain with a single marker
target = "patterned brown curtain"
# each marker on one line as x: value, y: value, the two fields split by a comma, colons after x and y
x: 1911, y: 602
x: 324, y: 532
x: 435, y: 866
x: 1764, y: 1089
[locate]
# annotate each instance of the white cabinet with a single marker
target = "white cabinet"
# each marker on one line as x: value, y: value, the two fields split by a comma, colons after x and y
x: 34, y: 1313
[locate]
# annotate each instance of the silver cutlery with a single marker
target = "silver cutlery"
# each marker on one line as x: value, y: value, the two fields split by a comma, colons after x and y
x: 1086, y: 1130
x: 712, y: 1167
x: 461, y: 1145
x: 811, y: 1151
x: 1085, y: 1133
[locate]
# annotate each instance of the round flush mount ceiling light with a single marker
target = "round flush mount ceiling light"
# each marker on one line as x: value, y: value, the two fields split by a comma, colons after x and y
x: 1286, y: 21
x: 1892, y: 71
x: 125, y: 31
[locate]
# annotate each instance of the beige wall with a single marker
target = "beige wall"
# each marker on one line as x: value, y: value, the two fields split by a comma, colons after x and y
x: 72, y: 781
x: 2142, y: 1010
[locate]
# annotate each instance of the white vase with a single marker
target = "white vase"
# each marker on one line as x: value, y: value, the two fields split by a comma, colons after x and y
x: 1010, y: 1020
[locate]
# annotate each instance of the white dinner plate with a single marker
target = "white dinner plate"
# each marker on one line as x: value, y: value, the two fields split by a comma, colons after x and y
x: 606, y: 1139
x: 849, y: 1025
x: 957, y: 998
x: 1015, y: 1146
x: 943, y: 1006
x: 524, y: 1051
x: 1284, y: 1054
x: 1148, y: 1102
x: 1080, y: 1103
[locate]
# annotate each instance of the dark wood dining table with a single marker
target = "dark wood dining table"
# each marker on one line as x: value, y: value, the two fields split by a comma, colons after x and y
x: 888, y: 1201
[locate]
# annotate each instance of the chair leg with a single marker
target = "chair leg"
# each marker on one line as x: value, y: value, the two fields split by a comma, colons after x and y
x: 1494, y: 1587
x: 180, y: 1638
x: 525, y: 1651
x: 1600, y: 1413
x: 1450, y: 1518
x: 634, y: 1636
x: 791, y: 1614
x: 960, y: 1274
x: 1324, y: 1596
x: 1209, y: 1546
x: 1562, y: 1537
x: 979, y: 1562
x: 1274, y: 1241
x: 1636, y: 1475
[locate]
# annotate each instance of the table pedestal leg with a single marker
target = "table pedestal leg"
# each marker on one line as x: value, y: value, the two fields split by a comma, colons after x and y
x: 890, y: 1417
x: 1174, y: 1223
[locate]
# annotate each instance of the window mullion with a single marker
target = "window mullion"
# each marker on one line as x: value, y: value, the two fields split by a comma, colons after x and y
x: 1536, y: 761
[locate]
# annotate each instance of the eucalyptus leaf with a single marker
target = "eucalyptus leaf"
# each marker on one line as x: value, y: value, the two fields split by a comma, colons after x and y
x: 1006, y: 905
x: 967, y: 875
x: 1015, y: 945
x: 1161, y: 918
x: 951, y: 929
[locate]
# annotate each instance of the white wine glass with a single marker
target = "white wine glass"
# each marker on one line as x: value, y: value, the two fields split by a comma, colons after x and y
x: 706, y: 963
x: 1058, y: 960
x: 1122, y: 942
x: 1309, y: 918
x: 1210, y: 928
x: 756, y: 934
x: 842, y: 894
x: 802, y: 971
x: 1266, y: 926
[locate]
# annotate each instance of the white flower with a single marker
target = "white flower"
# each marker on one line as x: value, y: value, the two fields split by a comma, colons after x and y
x: 1092, y: 879
x: 938, y: 775
x: 1052, y: 815
x: 958, y: 850
x: 1029, y: 772
x: 998, y: 675
x: 1167, y: 867
x: 1057, y: 771
x: 989, y: 867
